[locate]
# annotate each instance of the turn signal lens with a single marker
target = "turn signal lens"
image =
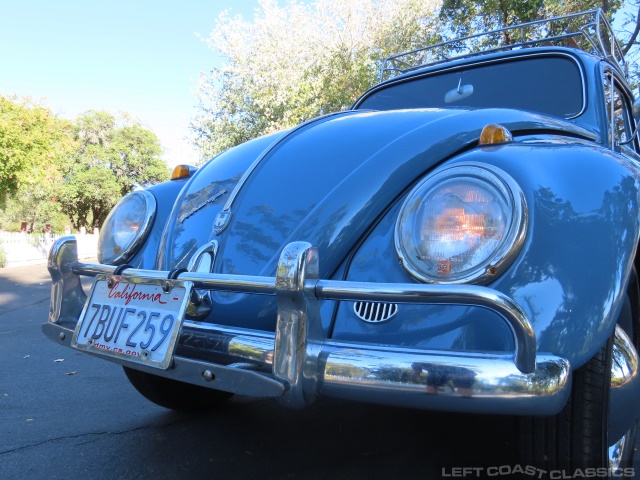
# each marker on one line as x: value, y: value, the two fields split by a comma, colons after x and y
x: 493, y: 133
x: 181, y: 171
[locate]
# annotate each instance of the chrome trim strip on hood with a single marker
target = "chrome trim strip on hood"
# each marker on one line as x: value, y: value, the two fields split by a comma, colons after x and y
x: 224, y: 216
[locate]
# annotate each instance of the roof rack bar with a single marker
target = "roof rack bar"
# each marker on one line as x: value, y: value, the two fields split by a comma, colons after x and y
x: 596, y: 32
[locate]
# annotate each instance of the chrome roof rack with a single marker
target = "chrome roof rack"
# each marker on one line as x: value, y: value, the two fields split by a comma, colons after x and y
x: 589, y: 31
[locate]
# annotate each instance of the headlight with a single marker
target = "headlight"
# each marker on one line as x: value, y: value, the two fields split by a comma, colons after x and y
x: 464, y: 224
x: 126, y: 228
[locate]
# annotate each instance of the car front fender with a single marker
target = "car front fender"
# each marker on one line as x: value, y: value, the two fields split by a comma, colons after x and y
x: 571, y: 274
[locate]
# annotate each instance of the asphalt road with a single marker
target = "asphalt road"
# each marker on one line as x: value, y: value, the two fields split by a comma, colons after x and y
x: 65, y: 415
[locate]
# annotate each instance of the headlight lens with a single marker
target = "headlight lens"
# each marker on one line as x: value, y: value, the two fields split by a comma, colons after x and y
x: 464, y: 224
x: 126, y: 228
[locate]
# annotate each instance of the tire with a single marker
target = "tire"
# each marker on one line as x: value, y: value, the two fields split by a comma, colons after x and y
x: 173, y: 394
x: 577, y: 438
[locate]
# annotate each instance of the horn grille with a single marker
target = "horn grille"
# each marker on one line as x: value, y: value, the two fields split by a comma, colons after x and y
x: 375, y: 312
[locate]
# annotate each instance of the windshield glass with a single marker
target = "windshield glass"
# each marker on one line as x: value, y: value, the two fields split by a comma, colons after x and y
x: 551, y: 85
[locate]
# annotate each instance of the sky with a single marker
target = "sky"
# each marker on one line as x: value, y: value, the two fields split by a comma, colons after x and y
x: 137, y: 56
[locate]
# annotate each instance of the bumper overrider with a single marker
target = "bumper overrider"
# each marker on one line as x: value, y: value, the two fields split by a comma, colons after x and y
x: 297, y: 364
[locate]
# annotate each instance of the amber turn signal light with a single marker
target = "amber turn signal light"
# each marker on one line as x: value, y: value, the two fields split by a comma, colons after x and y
x: 181, y: 171
x: 494, y: 133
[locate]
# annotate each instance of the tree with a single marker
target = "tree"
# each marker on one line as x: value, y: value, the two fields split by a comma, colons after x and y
x: 114, y: 156
x: 298, y: 61
x: 629, y: 37
x: 36, y: 205
x: 32, y: 143
x: 294, y: 62
x: 634, y: 22
x: 466, y: 17
x: 135, y: 153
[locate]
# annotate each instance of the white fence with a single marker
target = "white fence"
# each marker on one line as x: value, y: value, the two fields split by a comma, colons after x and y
x: 26, y: 249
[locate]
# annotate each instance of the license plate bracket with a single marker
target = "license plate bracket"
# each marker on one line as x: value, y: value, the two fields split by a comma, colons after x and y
x: 133, y: 320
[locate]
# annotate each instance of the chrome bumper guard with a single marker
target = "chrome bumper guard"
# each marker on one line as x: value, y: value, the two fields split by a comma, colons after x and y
x: 297, y: 363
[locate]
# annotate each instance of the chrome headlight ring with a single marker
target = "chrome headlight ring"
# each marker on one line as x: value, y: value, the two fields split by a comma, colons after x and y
x: 462, y: 224
x: 126, y: 228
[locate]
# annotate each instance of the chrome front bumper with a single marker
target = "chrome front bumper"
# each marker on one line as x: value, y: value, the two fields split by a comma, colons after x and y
x: 297, y: 364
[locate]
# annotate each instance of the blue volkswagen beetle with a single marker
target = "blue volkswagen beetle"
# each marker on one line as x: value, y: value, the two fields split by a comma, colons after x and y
x: 462, y: 239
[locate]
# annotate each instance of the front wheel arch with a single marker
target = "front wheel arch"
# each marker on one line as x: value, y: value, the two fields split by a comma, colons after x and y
x: 579, y: 436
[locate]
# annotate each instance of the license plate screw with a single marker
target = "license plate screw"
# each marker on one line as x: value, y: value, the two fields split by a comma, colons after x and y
x: 208, y: 375
x: 62, y: 337
x: 110, y: 283
x: 167, y: 287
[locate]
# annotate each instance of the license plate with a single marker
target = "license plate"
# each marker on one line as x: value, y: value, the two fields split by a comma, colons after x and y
x: 136, y: 322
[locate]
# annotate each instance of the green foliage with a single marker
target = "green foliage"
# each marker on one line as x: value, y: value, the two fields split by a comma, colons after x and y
x: 35, y: 205
x: 56, y: 172
x: 32, y: 143
x: 114, y: 156
x: 298, y: 61
x: 135, y: 154
x: 466, y: 17
x: 88, y: 193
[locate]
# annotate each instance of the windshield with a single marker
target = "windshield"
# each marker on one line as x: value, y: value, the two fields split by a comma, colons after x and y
x: 551, y: 85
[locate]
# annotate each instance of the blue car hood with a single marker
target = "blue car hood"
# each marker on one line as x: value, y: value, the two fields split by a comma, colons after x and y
x: 324, y: 182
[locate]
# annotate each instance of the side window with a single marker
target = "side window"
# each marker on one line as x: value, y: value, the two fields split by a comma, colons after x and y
x: 618, y: 112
